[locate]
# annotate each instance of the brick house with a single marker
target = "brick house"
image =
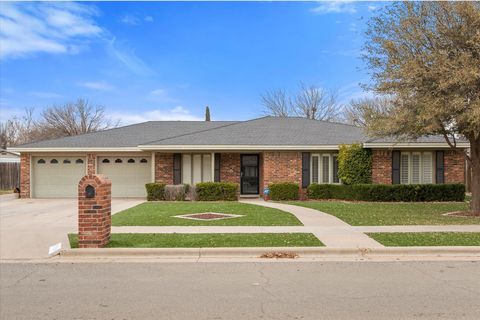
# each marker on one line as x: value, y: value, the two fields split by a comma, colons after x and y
x: 252, y: 153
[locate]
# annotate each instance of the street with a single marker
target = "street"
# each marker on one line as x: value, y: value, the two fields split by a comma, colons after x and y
x: 266, y: 290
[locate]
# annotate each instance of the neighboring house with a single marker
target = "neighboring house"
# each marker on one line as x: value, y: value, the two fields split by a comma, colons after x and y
x: 252, y: 153
x: 8, y: 156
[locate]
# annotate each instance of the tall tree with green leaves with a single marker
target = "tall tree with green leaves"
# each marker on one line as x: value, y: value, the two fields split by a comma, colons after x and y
x: 207, y: 113
x: 426, y: 57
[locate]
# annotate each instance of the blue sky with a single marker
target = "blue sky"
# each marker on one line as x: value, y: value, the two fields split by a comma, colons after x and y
x: 168, y: 60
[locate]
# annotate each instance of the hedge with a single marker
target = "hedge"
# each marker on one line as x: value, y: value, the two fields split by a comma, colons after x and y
x: 382, y: 192
x: 284, y: 191
x: 216, y: 191
x: 176, y: 192
x: 354, y: 164
x: 155, y: 191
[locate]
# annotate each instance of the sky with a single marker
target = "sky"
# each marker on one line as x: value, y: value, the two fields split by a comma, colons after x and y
x: 168, y: 60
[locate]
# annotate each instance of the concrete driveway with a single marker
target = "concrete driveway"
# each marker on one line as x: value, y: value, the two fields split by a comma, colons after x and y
x: 28, y: 227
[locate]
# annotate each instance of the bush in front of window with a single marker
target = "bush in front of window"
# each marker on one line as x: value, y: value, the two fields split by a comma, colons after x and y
x: 155, y: 191
x: 283, y: 191
x: 383, y: 192
x: 354, y: 164
x: 216, y: 191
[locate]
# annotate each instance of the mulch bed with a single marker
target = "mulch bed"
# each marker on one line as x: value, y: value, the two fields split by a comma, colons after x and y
x: 208, y: 216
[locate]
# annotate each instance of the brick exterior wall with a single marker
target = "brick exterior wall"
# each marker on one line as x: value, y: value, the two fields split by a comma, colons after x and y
x: 91, y: 163
x: 282, y: 167
x: 454, y: 162
x: 94, y: 214
x: 382, y: 166
x: 164, y: 168
x: 230, y: 167
x: 25, y: 175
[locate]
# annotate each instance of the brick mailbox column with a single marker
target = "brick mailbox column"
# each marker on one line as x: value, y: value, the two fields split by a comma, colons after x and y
x: 94, y: 211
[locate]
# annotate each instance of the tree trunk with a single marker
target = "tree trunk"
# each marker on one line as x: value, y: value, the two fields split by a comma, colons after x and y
x: 475, y: 156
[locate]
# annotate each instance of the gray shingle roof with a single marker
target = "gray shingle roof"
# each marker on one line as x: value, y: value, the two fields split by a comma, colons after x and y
x: 272, y: 131
x: 128, y: 136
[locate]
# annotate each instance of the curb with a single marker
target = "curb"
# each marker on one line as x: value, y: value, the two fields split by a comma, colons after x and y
x: 257, y: 252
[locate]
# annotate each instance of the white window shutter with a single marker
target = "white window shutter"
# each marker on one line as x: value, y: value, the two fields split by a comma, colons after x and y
x: 427, y: 168
x: 415, y: 168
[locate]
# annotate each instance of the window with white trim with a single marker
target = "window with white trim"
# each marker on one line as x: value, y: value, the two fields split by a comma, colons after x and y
x: 416, y: 167
x: 196, y: 168
x: 324, y: 168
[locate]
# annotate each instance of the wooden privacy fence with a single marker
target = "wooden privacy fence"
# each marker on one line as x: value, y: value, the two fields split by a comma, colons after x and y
x: 9, y: 175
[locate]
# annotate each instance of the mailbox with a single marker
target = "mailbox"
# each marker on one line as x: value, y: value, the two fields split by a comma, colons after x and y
x: 89, y: 192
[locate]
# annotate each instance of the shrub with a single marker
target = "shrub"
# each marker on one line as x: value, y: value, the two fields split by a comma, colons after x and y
x: 155, y: 191
x: 382, y: 192
x: 354, y: 164
x: 216, y: 191
x: 283, y: 191
x: 177, y: 192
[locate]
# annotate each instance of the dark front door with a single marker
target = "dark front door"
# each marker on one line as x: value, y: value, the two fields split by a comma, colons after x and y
x: 249, y: 181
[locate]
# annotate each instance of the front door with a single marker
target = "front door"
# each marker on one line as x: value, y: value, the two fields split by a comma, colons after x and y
x: 249, y: 177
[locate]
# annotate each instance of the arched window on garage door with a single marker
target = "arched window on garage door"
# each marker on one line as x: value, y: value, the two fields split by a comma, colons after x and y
x: 105, y: 161
x: 41, y: 161
x: 54, y: 161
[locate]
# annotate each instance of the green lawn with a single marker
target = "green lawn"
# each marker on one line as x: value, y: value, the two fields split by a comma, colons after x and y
x: 5, y: 191
x: 427, y: 239
x: 392, y: 213
x: 162, y: 214
x: 204, y: 240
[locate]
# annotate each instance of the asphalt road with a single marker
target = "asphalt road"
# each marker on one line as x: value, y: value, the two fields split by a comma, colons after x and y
x: 277, y: 290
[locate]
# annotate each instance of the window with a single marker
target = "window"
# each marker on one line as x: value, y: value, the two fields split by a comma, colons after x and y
x: 324, y: 168
x: 143, y: 161
x: 196, y: 168
x: 41, y: 161
x: 416, y: 167
x: 54, y: 161
x: 78, y: 161
x: 131, y: 161
x: 67, y: 161
x: 105, y: 161
x: 118, y: 161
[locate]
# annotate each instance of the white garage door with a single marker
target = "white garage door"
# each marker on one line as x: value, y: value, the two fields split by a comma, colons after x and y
x: 57, y: 177
x: 128, y: 174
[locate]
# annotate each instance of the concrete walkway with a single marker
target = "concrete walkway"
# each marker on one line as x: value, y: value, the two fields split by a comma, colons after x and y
x: 332, y: 231
x: 441, y: 228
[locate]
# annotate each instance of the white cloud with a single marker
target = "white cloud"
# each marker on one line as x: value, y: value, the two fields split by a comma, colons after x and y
x: 29, y: 28
x: 372, y: 8
x: 176, y: 113
x: 130, y: 19
x: 96, y: 85
x: 340, y: 6
x: 127, y: 57
x: 134, y: 20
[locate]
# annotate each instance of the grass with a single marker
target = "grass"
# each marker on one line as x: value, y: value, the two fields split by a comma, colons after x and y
x: 392, y: 213
x: 427, y: 239
x: 204, y: 240
x: 162, y: 214
x: 5, y: 191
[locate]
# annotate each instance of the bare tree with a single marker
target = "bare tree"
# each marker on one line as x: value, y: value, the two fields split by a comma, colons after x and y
x: 59, y: 121
x: 361, y: 112
x: 18, y: 130
x: 74, y: 118
x: 277, y: 103
x: 309, y: 102
x: 317, y: 103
